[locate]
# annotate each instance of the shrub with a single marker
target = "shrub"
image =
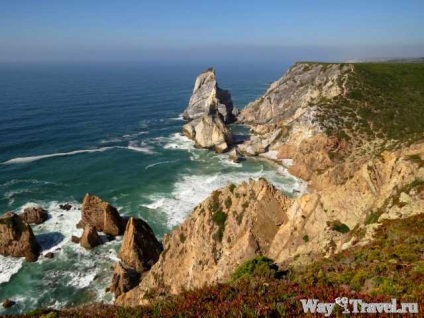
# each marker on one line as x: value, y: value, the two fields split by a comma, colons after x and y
x: 260, y: 266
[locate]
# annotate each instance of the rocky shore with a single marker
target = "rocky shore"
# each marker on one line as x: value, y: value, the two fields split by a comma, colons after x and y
x: 312, y: 122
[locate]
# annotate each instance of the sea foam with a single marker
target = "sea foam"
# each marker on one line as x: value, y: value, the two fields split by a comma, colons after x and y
x: 59, y: 154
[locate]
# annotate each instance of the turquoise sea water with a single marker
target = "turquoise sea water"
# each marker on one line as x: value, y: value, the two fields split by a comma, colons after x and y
x: 111, y: 130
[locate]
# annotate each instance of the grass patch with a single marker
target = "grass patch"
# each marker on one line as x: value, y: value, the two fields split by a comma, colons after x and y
x: 339, y: 227
x: 219, y: 218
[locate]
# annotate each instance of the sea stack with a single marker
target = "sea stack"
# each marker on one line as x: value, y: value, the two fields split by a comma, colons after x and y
x: 101, y: 215
x: 208, y: 98
x: 209, y: 111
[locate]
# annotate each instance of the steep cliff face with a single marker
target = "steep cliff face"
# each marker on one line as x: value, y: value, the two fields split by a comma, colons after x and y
x: 207, y: 97
x: 231, y: 226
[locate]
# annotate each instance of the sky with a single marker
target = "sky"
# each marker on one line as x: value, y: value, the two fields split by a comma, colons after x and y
x: 232, y: 30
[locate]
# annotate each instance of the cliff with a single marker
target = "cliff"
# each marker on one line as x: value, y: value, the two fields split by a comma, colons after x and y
x: 328, y: 123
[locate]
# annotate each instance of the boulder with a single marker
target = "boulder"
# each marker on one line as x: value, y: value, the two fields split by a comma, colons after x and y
x: 17, y: 238
x: 140, y: 249
x: 65, y: 206
x: 210, y: 132
x: 90, y: 238
x: 124, y: 279
x: 7, y: 303
x: 235, y: 155
x: 75, y: 239
x: 207, y: 97
x: 49, y: 255
x: 34, y: 215
x: 101, y: 215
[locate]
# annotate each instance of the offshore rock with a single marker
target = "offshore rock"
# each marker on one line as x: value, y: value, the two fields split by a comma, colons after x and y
x: 34, y: 215
x: 90, y: 238
x: 210, y: 132
x: 208, y: 98
x: 101, y: 215
x: 235, y: 155
x: 17, y: 238
x: 140, y: 249
x: 7, y: 303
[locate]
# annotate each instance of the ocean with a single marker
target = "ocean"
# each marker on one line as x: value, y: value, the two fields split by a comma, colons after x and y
x: 113, y: 130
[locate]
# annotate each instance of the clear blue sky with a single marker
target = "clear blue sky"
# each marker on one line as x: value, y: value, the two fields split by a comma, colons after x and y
x: 42, y: 30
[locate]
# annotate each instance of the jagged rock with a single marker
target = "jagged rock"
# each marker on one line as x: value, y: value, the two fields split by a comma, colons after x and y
x: 90, y: 238
x: 207, y: 98
x: 7, y: 303
x: 75, y: 239
x: 260, y: 144
x: 17, y: 238
x: 101, y: 215
x: 49, y: 255
x: 290, y: 98
x: 124, y: 279
x: 34, y: 215
x: 235, y: 155
x: 65, y: 206
x: 209, y: 132
x: 231, y: 226
x: 140, y: 249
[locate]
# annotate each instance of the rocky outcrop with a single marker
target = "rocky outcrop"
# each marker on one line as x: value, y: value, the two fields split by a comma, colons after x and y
x: 208, y: 98
x: 17, y: 238
x: 101, y: 215
x: 7, y: 303
x: 34, y: 215
x: 209, y: 132
x: 140, y: 249
x: 231, y: 226
x: 124, y: 279
x: 90, y: 238
x: 235, y: 155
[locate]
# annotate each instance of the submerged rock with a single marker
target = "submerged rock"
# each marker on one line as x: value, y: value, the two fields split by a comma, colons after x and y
x: 209, y: 132
x: 207, y: 97
x: 140, y: 249
x: 90, y: 238
x: 101, y: 215
x: 34, y: 215
x: 49, y: 255
x: 17, y: 238
x: 124, y: 279
x: 7, y: 303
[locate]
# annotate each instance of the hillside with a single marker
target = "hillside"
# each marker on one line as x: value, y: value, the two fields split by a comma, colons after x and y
x: 391, y: 266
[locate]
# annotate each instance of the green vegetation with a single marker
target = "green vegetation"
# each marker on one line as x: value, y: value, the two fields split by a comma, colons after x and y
x: 390, y: 267
x: 260, y: 266
x: 219, y: 218
x: 384, y: 100
x: 340, y: 227
x: 232, y: 186
x: 306, y: 238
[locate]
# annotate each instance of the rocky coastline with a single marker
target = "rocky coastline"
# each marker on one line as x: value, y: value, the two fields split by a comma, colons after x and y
x: 355, y: 182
